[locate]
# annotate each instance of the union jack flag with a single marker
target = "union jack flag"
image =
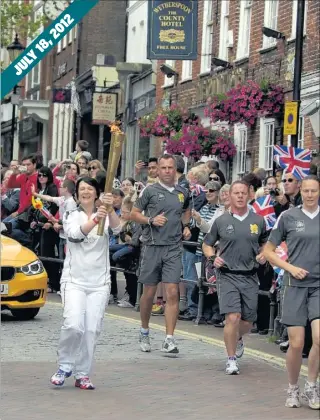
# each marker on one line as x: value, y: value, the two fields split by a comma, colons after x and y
x: 293, y: 160
x: 196, y: 190
x: 282, y: 252
x: 264, y: 207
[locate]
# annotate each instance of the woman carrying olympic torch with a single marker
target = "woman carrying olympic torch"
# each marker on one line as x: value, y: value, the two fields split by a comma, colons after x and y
x: 85, y: 282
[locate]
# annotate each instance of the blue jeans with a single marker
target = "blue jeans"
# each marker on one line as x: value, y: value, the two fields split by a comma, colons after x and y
x: 120, y: 250
x: 190, y: 273
x: 17, y: 233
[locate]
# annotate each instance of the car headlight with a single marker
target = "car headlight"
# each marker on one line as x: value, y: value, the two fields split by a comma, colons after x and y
x: 36, y: 267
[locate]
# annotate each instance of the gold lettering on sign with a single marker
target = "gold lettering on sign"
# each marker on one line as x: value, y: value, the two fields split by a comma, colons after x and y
x: 218, y: 84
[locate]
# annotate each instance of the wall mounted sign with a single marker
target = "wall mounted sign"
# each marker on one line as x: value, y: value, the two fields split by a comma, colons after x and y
x: 61, y: 96
x: 290, y: 118
x: 104, y: 108
x: 172, y: 30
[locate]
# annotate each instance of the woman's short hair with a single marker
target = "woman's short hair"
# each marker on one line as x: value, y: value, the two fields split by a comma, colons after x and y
x: 101, y: 179
x: 90, y: 181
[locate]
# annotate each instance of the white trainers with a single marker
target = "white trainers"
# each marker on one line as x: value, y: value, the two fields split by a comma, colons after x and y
x: 125, y: 298
x: 312, y: 396
x: 293, y: 397
x: 240, y: 348
x: 125, y: 304
x: 232, y: 367
x: 144, y: 340
x: 169, y: 346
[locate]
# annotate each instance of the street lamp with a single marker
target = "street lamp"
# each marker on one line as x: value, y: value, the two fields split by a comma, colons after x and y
x: 14, y: 50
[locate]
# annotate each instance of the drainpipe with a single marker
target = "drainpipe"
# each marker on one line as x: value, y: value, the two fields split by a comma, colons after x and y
x: 126, y: 121
x: 298, y: 64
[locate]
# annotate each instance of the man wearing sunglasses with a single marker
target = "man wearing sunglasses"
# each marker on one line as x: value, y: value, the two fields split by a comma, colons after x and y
x: 292, y: 196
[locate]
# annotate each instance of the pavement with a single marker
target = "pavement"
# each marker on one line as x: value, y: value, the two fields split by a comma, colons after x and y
x: 134, y: 385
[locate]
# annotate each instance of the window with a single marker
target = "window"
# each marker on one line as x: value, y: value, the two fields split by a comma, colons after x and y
x: 240, y: 163
x: 294, y: 18
x: 224, y: 27
x: 70, y: 36
x: 59, y: 47
x: 35, y: 75
x: 266, y: 143
x: 169, y: 81
x: 206, y: 49
x: 244, y: 29
x: 242, y: 151
x: 65, y: 41
x: 270, y: 20
x: 186, y: 70
x: 300, y: 143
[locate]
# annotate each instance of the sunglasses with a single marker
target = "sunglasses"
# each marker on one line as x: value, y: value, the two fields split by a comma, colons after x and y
x: 91, y: 168
x: 214, y: 178
x: 211, y: 191
x: 42, y: 176
x: 288, y: 180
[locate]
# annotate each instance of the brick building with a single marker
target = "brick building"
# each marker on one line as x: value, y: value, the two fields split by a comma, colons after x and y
x: 87, y: 54
x: 232, y: 31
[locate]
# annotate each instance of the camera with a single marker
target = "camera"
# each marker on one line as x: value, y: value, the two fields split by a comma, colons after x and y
x: 168, y: 70
x: 274, y: 192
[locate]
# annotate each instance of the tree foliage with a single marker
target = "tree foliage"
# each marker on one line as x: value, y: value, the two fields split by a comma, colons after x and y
x: 18, y: 18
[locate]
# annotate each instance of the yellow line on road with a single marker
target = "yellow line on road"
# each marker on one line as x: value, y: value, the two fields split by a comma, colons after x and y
x: 256, y: 354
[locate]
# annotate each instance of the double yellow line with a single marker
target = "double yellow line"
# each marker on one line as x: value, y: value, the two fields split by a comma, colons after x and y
x: 255, y: 354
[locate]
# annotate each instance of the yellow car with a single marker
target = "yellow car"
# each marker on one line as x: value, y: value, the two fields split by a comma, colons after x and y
x: 23, y: 280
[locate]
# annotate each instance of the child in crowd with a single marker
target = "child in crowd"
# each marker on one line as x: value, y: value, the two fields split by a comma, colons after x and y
x: 129, y: 235
x: 65, y: 202
x: 81, y: 151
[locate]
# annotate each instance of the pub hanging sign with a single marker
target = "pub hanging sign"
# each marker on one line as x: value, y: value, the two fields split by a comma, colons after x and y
x: 172, y: 30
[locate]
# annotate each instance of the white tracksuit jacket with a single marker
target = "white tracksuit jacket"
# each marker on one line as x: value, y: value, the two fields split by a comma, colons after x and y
x: 87, y: 257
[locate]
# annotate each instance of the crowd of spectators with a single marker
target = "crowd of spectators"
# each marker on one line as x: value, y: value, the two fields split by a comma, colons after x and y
x: 55, y: 184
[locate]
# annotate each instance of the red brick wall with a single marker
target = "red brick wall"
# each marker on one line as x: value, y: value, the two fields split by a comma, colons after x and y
x: 269, y: 64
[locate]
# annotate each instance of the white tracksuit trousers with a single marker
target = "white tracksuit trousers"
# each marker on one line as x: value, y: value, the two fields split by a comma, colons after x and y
x: 83, y: 315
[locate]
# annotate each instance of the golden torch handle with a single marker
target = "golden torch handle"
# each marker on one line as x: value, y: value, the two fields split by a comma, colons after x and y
x: 117, y: 140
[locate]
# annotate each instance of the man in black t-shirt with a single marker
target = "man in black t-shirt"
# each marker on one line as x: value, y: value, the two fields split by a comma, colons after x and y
x: 240, y: 233
x: 299, y: 227
x: 166, y: 217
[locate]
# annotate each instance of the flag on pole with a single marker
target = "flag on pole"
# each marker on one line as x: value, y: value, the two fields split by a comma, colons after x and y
x: 264, y: 207
x: 294, y: 160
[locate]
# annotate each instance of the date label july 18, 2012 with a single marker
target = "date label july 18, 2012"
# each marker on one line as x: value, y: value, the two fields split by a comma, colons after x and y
x: 56, y: 32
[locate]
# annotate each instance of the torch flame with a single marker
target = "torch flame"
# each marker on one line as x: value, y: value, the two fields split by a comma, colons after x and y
x: 37, y: 203
x: 114, y: 127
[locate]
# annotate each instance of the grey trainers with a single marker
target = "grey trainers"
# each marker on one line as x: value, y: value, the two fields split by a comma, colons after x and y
x: 144, y: 340
x: 293, y: 397
x: 311, y: 394
x: 169, y: 346
x: 240, y: 348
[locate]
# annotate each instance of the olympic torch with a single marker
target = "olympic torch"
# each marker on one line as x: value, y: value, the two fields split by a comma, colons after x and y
x: 117, y: 140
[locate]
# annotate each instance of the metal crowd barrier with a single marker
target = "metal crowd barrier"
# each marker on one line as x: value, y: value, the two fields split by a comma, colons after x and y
x: 274, y: 322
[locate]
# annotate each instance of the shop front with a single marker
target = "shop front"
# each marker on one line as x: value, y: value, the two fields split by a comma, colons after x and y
x: 30, y: 133
x: 143, y: 102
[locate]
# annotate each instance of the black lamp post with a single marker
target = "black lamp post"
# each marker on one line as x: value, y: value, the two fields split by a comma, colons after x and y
x: 14, y: 50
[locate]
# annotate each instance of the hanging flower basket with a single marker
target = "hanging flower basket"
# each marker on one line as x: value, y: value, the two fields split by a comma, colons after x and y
x: 224, y: 148
x: 162, y: 122
x: 246, y: 103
